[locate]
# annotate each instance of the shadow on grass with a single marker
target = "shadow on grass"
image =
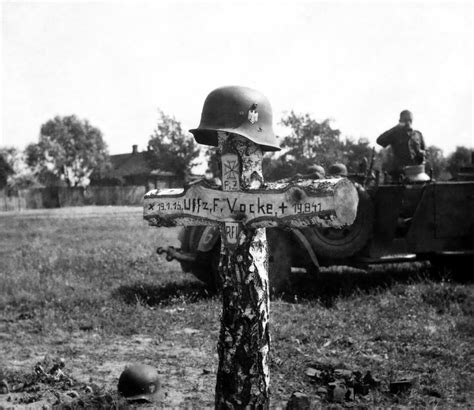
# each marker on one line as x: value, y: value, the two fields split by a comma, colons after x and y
x: 155, y: 295
x: 326, y: 286
x: 333, y: 283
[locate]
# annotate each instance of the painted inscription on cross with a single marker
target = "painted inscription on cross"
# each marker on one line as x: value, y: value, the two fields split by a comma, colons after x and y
x: 243, y: 207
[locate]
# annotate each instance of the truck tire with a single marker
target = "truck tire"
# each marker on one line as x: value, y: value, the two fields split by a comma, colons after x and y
x: 206, y: 265
x: 280, y: 260
x: 341, y: 243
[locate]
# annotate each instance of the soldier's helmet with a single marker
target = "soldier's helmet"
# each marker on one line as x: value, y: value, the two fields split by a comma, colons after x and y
x: 318, y: 170
x: 338, y: 170
x: 239, y: 110
x: 139, y: 382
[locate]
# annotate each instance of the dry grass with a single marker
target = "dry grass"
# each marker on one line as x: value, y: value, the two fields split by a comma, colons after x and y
x: 86, y: 285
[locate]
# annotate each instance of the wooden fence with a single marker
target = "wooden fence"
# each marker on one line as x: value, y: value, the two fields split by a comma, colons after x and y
x: 12, y: 203
x: 54, y: 197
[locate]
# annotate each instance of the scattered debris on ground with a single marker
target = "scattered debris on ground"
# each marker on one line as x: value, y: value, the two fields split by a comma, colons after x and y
x: 101, y: 302
x: 49, y: 382
x: 340, y: 385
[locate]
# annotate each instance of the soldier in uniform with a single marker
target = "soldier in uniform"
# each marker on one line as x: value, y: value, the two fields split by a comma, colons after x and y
x: 407, y: 144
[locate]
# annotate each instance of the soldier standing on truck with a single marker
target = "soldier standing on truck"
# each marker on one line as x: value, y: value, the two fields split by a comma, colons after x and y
x: 407, y: 144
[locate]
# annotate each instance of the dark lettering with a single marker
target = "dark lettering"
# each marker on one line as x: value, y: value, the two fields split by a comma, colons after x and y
x: 231, y: 207
x: 317, y: 207
x: 230, y: 231
x: 283, y: 207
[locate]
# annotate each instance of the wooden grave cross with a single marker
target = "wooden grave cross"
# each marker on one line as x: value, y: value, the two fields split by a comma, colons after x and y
x: 243, y: 208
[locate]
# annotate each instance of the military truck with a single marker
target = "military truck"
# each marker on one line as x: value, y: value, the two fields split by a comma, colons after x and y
x: 415, y: 218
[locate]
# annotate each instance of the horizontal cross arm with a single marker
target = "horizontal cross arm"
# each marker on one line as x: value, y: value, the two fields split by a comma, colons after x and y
x: 326, y: 203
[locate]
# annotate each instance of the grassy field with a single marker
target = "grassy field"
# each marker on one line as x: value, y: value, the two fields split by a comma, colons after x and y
x: 85, y: 285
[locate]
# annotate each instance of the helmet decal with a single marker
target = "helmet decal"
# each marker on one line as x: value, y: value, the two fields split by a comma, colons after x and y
x: 253, y: 114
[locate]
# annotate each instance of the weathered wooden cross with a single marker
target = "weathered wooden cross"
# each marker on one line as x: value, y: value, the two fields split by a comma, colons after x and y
x: 242, y: 209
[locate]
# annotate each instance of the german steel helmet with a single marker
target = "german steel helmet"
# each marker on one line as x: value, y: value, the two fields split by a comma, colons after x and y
x: 239, y: 110
x: 338, y: 169
x: 139, y: 382
x: 317, y: 169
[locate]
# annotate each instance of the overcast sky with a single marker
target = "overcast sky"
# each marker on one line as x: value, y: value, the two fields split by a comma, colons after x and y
x: 116, y: 63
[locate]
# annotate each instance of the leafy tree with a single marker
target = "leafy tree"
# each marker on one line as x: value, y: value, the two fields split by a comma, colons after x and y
x: 310, y: 142
x: 385, y: 160
x: 5, y: 171
x: 213, y: 161
x: 20, y: 175
x: 356, y: 155
x: 69, y: 150
x: 461, y: 157
x: 172, y: 149
x: 436, y: 161
x: 277, y: 167
x: 43, y: 170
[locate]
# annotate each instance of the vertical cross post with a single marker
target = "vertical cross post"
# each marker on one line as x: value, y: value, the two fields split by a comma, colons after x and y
x: 244, y: 339
x: 242, y: 210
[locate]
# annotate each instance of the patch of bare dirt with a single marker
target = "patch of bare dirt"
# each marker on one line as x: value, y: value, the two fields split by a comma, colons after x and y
x: 184, y: 371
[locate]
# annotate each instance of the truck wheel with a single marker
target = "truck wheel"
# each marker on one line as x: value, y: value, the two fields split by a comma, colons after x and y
x: 345, y: 242
x: 206, y: 268
x: 206, y: 265
x: 280, y: 257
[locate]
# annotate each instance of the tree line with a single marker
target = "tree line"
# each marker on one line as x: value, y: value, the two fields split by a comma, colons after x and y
x: 70, y: 152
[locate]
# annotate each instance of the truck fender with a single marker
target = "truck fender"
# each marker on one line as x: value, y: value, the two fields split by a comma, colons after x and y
x: 208, y: 238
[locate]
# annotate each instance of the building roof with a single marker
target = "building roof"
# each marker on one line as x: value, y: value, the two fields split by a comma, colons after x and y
x: 134, y: 164
x: 130, y: 164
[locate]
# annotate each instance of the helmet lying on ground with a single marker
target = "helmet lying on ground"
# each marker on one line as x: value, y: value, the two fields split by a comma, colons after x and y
x: 139, y: 382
